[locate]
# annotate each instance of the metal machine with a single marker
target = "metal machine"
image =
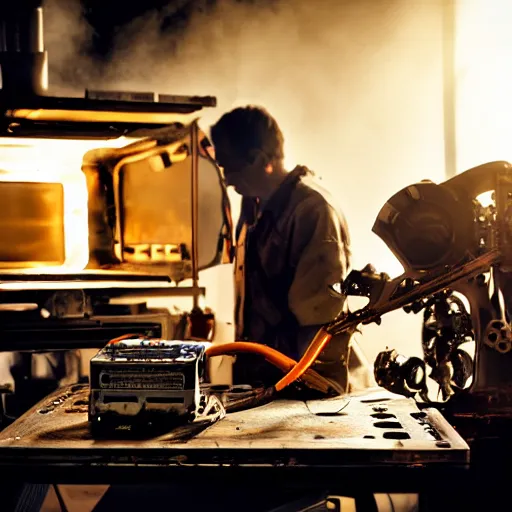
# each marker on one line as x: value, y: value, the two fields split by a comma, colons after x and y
x: 144, y: 381
x: 458, y: 251
x: 454, y: 242
x: 107, y: 202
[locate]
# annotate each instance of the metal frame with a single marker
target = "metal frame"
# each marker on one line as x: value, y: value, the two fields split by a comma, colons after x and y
x: 194, y: 176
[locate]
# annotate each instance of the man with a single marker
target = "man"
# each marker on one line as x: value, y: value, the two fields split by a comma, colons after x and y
x: 292, y: 246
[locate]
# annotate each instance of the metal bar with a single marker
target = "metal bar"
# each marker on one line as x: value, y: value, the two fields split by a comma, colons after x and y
x: 335, y: 480
x: 60, y: 499
x: 193, y: 291
x: 23, y: 58
x: 101, y: 285
x: 33, y: 292
x: 183, y: 105
x: 195, y: 207
x: 94, y: 276
x: 71, y: 130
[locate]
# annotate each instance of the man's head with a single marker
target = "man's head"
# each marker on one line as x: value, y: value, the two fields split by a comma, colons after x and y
x: 249, y: 147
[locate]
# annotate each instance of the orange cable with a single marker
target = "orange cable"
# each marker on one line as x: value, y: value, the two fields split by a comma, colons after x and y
x: 281, y: 361
x: 319, y: 342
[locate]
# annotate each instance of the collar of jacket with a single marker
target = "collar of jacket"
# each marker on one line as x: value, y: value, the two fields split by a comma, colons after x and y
x: 279, y: 199
x: 276, y: 204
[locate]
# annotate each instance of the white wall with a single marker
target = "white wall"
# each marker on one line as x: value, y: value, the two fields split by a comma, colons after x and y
x: 484, y: 75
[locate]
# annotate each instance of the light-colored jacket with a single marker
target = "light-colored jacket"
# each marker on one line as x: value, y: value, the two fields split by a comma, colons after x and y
x: 288, y: 255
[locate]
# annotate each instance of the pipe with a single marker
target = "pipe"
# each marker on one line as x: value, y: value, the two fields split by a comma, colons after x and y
x: 23, y: 59
x: 279, y: 360
x: 194, y: 185
x: 320, y: 341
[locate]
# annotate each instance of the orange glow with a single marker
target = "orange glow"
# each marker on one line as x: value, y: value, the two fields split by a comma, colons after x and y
x: 98, y: 116
x: 56, y: 161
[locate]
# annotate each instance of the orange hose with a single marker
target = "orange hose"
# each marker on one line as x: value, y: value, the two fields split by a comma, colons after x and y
x: 319, y: 342
x: 274, y: 357
x: 125, y: 337
x: 281, y: 361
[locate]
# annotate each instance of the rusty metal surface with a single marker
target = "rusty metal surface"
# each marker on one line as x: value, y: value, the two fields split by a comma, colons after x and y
x: 373, y: 428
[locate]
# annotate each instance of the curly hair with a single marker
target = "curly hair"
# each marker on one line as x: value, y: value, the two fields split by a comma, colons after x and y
x: 249, y: 128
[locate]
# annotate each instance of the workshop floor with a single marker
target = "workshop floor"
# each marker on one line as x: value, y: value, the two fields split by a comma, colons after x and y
x: 83, y: 498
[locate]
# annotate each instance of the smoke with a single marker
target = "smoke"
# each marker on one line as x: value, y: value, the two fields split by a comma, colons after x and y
x: 355, y: 85
x: 67, y: 38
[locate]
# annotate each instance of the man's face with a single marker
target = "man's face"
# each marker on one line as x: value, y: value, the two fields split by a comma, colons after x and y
x: 246, y: 177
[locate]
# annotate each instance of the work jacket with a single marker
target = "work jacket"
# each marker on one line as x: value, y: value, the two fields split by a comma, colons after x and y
x: 289, y: 253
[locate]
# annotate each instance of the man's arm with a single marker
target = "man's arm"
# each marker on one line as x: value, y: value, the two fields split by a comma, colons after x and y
x: 319, y: 255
